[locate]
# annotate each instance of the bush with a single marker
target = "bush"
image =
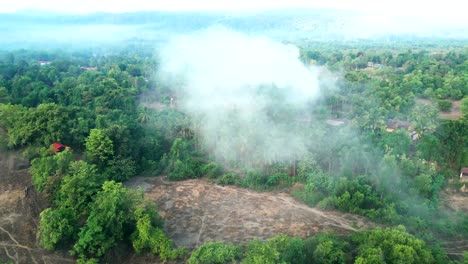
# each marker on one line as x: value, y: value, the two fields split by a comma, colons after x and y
x: 259, y: 252
x: 324, y: 248
x: 149, y: 237
x: 230, y: 178
x: 291, y: 249
x: 181, y: 162
x: 212, y: 170
x: 180, y: 171
x: 280, y: 179
x: 393, y: 245
x: 255, y: 179
x: 120, y: 169
x: 214, y: 253
x: 56, y: 227
x: 444, y: 105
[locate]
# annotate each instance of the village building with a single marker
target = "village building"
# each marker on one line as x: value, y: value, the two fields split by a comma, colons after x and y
x: 335, y: 122
x: 43, y: 62
x: 464, y: 175
x: 371, y: 65
x: 58, y: 147
x: 464, y: 179
x: 89, y: 68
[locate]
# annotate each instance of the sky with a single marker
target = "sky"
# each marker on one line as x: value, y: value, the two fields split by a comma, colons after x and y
x: 424, y: 8
x: 423, y: 17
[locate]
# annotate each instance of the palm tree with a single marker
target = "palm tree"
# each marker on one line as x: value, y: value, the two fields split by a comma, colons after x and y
x: 143, y: 115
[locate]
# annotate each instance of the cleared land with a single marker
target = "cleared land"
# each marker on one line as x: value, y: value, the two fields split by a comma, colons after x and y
x: 196, y: 211
x: 19, y: 216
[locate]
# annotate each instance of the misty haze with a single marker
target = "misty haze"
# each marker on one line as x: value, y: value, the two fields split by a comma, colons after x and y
x: 233, y: 132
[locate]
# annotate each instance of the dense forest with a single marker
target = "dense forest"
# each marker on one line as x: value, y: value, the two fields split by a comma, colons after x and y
x: 386, y: 143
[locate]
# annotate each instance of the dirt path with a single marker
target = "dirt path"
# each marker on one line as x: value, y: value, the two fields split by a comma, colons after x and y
x: 196, y: 212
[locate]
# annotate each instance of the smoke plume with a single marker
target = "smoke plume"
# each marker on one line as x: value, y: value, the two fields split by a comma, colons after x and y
x: 247, y: 93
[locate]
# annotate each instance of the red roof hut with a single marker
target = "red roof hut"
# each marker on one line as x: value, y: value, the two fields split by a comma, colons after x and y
x: 59, y: 147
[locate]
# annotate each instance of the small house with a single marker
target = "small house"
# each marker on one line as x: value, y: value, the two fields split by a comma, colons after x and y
x: 89, y: 68
x: 335, y: 122
x: 58, y: 147
x: 43, y: 62
x: 464, y: 175
x: 414, y: 136
x: 464, y: 179
x: 378, y: 66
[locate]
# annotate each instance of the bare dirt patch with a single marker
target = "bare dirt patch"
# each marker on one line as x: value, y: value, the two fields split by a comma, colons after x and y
x: 454, y: 113
x: 196, y: 211
x: 19, y: 216
x: 456, y: 201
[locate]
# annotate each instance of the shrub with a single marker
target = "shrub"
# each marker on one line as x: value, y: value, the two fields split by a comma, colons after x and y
x: 214, y: 253
x: 255, y: 179
x: 120, y: 169
x: 444, y: 105
x: 230, y: 178
x: 259, y: 252
x: 212, y: 170
x: 280, y: 179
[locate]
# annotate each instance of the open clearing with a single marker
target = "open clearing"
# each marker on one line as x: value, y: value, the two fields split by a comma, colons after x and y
x: 196, y: 211
x: 454, y: 113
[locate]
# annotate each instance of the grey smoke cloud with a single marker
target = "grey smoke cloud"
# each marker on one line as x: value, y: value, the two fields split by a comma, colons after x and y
x: 246, y: 92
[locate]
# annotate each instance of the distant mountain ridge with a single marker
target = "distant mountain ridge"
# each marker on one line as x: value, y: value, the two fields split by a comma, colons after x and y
x: 289, y: 24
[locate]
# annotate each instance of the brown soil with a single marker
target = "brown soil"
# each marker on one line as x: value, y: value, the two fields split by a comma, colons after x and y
x: 456, y: 201
x: 196, y: 211
x: 454, y: 113
x: 19, y: 216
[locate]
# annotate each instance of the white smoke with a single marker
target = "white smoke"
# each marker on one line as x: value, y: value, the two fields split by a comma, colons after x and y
x: 245, y: 91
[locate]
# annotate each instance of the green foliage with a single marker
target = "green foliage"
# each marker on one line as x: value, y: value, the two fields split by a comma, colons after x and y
x: 444, y: 105
x: 48, y: 169
x: 149, y: 237
x: 397, y: 142
x: 105, y: 224
x: 214, y: 253
x: 326, y: 249
x: 229, y: 178
x: 424, y: 184
x: 394, y: 245
x: 280, y: 179
x: 212, y: 170
x: 429, y: 148
x: 453, y: 143
x: 57, y: 226
x: 120, y: 169
x: 424, y: 118
x: 99, y: 147
x: 92, y: 109
x: 255, y: 179
x: 78, y: 187
x: 370, y: 256
x: 44, y: 124
x: 61, y: 102
x: 464, y: 107
x: 259, y: 252
x: 180, y: 163
x: 291, y: 249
